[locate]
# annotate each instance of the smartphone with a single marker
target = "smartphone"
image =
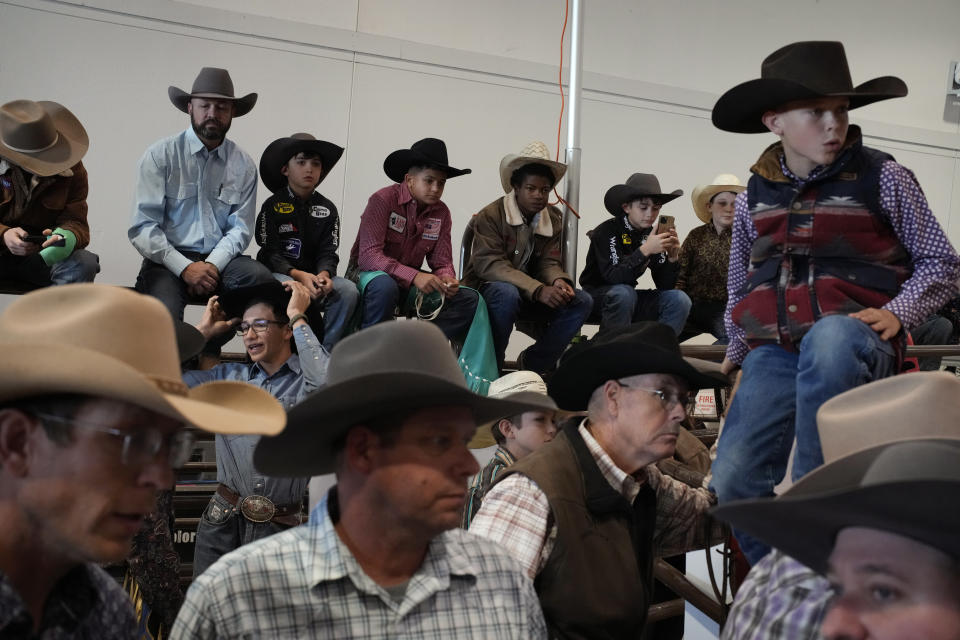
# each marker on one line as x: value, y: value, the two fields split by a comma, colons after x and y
x: 665, y: 223
x: 40, y: 239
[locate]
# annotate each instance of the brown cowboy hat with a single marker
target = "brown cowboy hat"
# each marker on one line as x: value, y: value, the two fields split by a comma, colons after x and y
x: 279, y: 152
x: 798, y: 71
x: 702, y: 193
x: 110, y: 342
x: 429, y: 151
x: 388, y: 368
x: 533, y: 153
x: 892, y: 452
x: 639, y: 185
x: 212, y: 82
x: 43, y: 138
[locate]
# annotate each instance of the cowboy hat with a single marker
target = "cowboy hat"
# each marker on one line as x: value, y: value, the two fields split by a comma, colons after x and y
x: 702, y: 193
x: 109, y: 342
x: 892, y: 452
x: 519, y: 386
x: 212, y: 82
x: 533, y: 153
x: 383, y: 370
x: 639, y: 348
x: 798, y: 71
x: 189, y: 341
x: 279, y: 152
x: 429, y: 152
x: 43, y: 138
x: 234, y: 302
x: 639, y: 185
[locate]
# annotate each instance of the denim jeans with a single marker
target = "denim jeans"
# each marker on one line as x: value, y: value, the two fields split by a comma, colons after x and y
x: 222, y: 529
x: 329, y: 315
x: 779, y: 395
x: 706, y: 316
x: 620, y: 305
x: 79, y: 266
x: 505, y: 304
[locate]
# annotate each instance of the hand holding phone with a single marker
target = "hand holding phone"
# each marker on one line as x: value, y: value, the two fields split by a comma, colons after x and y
x: 40, y: 239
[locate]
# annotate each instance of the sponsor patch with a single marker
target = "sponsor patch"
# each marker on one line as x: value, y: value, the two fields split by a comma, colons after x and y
x: 283, y: 207
x: 625, y: 239
x: 290, y: 247
x: 431, y: 230
x: 397, y: 222
x: 287, y: 227
x: 319, y: 211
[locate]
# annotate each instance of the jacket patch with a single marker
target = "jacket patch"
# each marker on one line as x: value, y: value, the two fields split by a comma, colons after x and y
x: 431, y: 231
x: 291, y: 247
x: 626, y: 239
x: 397, y: 222
x: 287, y: 227
x: 319, y: 211
x: 283, y: 207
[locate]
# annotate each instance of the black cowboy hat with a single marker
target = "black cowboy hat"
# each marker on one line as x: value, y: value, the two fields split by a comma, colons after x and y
x: 639, y: 348
x: 235, y: 301
x: 212, y: 82
x: 798, y: 71
x: 279, y: 152
x: 639, y: 185
x: 429, y: 151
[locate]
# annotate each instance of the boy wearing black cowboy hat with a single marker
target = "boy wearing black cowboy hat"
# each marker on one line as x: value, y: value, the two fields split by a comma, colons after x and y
x: 402, y: 225
x: 299, y: 229
x: 622, y: 249
x: 835, y: 253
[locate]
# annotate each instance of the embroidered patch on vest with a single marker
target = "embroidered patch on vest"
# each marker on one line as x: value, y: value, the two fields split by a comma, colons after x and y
x: 290, y: 247
x: 319, y: 211
x: 397, y: 222
x: 431, y: 231
x: 286, y: 227
x: 283, y: 207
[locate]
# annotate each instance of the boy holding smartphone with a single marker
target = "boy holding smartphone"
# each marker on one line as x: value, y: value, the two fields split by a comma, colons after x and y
x: 623, y: 248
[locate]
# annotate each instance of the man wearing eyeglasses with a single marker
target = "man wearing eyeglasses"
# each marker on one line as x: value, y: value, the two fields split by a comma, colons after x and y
x: 249, y: 505
x: 90, y: 429
x: 587, y: 513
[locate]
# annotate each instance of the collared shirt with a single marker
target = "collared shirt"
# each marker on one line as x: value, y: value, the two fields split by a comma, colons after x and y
x: 515, y: 512
x: 780, y: 599
x: 481, y: 483
x: 395, y: 239
x: 305, y: 583
x: 86, y: 604
x: 935, y: 263
x: 704, y: 258
x: 193, y: 199
x: 290, y: 384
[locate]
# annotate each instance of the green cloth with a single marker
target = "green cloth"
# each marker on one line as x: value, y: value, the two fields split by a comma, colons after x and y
x: 52, y: 255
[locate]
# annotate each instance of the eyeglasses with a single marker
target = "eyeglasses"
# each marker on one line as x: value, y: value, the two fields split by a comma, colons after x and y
x: 669, y: 400
x: 140, y: 447
x: 259, y: 326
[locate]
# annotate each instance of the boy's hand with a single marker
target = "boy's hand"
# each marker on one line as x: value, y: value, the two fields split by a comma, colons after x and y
x: 214, y: 320
x: 323, y: 283
x: 14, y: 239
x: 450, y: 287
x: 880, y: 320
x: 565, y: 289
x: 673, y: 254
x: 428, y: 283
x: 660, y: 242
x: 552, y: 295
x: 300, y: 297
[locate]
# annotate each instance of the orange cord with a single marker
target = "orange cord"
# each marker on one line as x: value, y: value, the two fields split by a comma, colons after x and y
x: 563, y: 104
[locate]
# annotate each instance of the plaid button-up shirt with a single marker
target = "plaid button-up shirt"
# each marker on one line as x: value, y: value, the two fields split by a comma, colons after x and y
x: 305, y: 583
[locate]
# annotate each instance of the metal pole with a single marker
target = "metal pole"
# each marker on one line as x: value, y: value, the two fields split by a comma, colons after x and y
x: 572, y: 190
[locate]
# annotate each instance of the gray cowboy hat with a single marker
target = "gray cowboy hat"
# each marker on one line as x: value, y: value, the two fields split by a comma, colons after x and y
x: 388, y: 368
x: 43, y: 138
x: 212, y: 82
x: 429, y: 151
x: 639, y: 185
x: 798, y: 71
x: 279, y: 152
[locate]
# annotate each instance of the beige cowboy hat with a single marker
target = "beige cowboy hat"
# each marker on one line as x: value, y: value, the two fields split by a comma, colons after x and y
x: 892, y: 453
x: 533, y: 153
x: 702, y: 193
x: 110, y: 342
x: 212, y: 82
x: 520, y: 386
x: 388, y: 368
x: 43, y: 138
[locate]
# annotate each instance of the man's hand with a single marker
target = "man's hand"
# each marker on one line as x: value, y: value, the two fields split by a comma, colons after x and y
x: 201, y: 278
x: 300, y: 297
x: 214, y: 320
x: 428, y: 283
x: 450, y: 286
x: 880, y: 320
x: 660, y: 242
x: 14, y: 239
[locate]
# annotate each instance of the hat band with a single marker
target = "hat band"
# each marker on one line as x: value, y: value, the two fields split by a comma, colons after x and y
x: 56, y: 139
x: 169, y: 386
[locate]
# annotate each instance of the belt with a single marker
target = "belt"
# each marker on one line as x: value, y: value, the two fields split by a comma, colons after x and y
x: 261, y: 509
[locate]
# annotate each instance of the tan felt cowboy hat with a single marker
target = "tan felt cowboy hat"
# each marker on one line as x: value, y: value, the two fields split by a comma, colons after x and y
x: 702, y: 193
x: 533, y: 153
x: 639, y: 185
x: 427, y: 152
x: 43, y: 138
x: 279, y: 152
x: 798, y: 71
x: 388, y: 368
x: 212, y: 82
x: 892, y: 452
x: 109, y: 342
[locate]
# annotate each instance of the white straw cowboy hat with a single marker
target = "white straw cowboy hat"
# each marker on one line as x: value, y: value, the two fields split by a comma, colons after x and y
x: 388, y: 368
x: 533, y: 153
x: 212, y: 82
x: 42, y: 137
x: 109, y: 342
x: 702, y: 193
x: 892, y: 452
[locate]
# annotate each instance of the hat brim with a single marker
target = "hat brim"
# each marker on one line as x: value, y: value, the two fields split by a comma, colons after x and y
x: 279, y: 152
x: 189, y: 340
x: 235, y: 301
x: 483, y: 438
x: 512, y: 162
x: 241, y: 106
x: 702, y: 194
x: 71, y: 145
x: 218, y: 407
x: 741, y: 108
x: 399, y: 162
x: 313, y: 427
x: 620, y: 194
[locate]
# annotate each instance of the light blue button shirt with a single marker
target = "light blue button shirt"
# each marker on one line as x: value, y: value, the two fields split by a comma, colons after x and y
x: 189, y: 198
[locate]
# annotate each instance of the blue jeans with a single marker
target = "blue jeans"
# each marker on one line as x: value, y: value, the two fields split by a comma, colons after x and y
x: 79, y: 266
x: 505, y: 304
x: 620, y: 305
x: 381, y: 295
x: 779, y: 395
x: 222, y: 529
x: 329, y: 315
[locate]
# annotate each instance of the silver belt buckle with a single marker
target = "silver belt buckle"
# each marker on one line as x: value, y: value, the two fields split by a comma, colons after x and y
x: 258, y: 508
